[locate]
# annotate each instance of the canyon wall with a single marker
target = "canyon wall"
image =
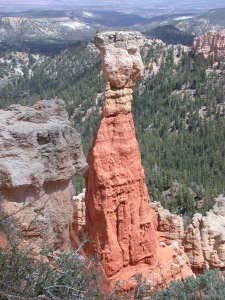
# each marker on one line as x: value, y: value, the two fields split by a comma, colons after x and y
x: 40, y: 152
x: 122, y: 228
x: 210, y: 46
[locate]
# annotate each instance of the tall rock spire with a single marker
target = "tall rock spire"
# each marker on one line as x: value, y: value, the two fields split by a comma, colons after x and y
x: 119, y: 221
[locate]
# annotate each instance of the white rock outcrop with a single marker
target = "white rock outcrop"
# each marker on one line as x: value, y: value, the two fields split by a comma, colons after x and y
x: 205, y: 238
x: 40, y: 152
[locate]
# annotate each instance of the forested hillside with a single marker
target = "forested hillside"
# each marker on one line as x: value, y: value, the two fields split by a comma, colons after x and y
x: 170, y: 35
x: 179, y: 112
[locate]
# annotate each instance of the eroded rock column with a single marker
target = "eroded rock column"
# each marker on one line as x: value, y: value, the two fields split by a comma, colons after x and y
x: 117, y: 200
x: 119, y: 222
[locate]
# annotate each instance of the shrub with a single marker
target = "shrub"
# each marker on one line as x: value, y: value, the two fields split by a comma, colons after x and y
x: 70, y: 278
x: 208, y: 286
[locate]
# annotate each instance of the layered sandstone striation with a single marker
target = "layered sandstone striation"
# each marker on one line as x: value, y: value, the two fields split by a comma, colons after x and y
x: 121, y: 226
x: 210, y: 46
x: 40, y: 152
x: 205, y: 239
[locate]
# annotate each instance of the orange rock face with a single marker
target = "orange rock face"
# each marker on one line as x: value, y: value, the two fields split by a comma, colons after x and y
x: 121, y: 226
x: 119, y: 217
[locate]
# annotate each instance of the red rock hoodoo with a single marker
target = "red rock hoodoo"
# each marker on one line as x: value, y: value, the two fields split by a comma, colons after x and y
x: 121, y: 226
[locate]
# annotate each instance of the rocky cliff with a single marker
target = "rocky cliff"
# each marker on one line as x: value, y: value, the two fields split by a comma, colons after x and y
x: 205, y: 239
x: 39, y: 154
x: 210, y: 46
x: 121, y: 226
